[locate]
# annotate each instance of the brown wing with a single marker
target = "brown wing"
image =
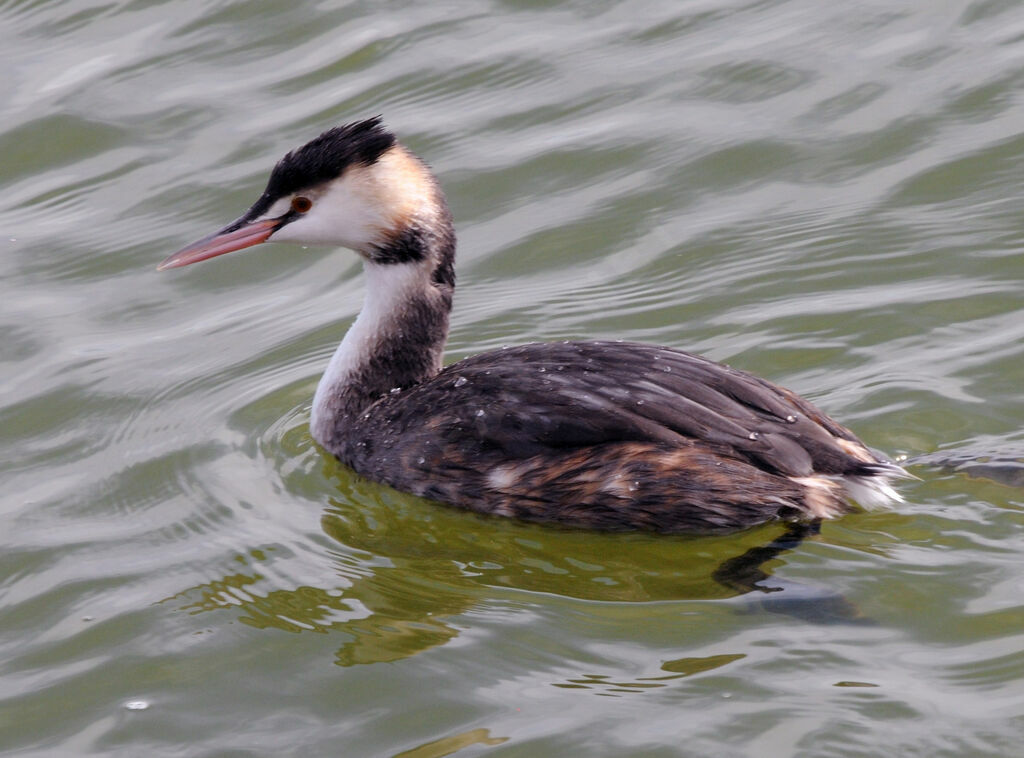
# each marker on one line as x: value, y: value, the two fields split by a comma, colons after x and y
x: 540, y: 398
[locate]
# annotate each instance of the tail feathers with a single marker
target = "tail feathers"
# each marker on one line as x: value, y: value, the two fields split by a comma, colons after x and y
x: 870, y: 487
x: 873, y: 491
x: 887, y: 470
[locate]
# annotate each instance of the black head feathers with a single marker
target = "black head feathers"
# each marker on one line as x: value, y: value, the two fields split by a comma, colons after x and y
x: 319, y: 161
x: 327, y: 156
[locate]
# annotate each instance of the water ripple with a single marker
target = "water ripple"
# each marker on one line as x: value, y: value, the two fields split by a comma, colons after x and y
x: 826, y: 196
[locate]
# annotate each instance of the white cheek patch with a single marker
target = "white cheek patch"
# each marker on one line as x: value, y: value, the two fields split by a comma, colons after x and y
x: 347, y: 212
x: 364, y: 207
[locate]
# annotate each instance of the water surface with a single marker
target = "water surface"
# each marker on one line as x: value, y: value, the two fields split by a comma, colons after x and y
x: 827, y: 196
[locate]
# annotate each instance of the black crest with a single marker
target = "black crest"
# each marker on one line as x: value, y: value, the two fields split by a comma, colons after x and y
x: 327, y: 156
x: 320, y: 160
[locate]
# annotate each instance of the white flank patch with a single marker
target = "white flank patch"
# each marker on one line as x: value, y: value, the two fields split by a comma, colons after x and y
x: 502, y: 477
x: 821, y: 496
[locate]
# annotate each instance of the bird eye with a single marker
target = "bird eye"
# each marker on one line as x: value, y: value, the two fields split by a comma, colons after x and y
x: 301, y: 204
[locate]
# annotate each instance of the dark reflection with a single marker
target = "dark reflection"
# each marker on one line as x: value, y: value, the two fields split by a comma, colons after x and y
x: 404, y: 566
x: 746, y: 574
x: 979, y: 461
x: 677, y: 669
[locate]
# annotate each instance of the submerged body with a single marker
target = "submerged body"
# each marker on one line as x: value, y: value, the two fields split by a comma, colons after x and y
x: 606, y: 435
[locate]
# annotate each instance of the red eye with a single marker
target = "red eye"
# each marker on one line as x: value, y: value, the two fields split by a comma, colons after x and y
x: 301, y: 204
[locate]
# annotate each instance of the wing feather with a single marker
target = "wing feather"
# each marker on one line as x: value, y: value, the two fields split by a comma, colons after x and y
x: 536, y: 398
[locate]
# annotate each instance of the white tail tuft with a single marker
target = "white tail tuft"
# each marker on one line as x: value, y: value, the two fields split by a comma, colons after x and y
x: 871, y: 492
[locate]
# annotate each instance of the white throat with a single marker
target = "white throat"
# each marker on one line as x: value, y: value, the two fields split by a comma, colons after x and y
x: 389, y: 290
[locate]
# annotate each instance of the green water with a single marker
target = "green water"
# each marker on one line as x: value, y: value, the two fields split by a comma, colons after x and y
x: 827, y: 195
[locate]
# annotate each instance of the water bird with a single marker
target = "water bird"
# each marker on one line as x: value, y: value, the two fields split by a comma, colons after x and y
x: 606, y: 435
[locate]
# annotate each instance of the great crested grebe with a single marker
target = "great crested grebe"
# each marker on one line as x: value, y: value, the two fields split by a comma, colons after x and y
x: 603, y: 435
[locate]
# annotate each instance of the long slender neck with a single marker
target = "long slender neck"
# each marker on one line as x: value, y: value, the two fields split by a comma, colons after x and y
x: 398, y: 338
